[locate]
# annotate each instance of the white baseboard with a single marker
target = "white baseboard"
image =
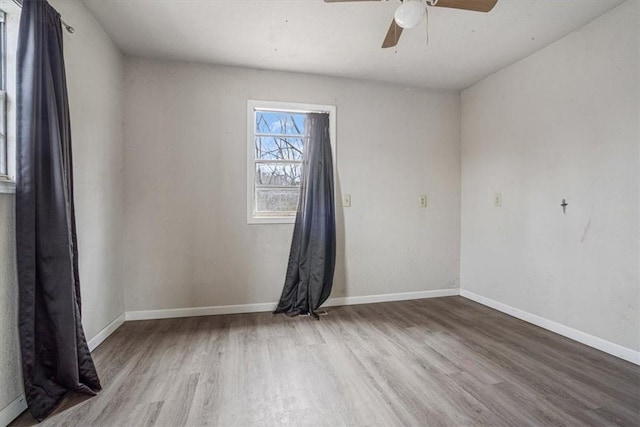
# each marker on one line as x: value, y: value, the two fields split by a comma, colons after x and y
x: 199, y: 311
x: 270, y: 306
x: 404, y: 296
x: 94, y: 342
x: 13, y: 410
x: 582, y: 337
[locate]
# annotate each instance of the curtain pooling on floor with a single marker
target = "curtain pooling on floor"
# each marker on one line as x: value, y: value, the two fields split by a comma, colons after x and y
x: 312, y: 257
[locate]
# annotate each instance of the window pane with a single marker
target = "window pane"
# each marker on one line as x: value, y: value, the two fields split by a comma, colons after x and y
x: 3, y: 134
x: 3, y: 52
x: 278, y: 174
x: 279, y: 148
x: 3, y: 104
x: 278, y: 122
x: 277, y: 199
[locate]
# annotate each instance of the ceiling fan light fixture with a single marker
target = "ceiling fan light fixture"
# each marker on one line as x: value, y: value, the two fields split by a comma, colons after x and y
x: 409, y: 13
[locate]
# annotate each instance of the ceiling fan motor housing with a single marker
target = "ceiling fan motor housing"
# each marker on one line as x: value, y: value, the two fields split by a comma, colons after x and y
x: 410, y: 13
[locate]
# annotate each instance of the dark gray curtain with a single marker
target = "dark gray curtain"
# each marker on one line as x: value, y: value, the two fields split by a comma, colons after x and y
x: 313, y: 248
x: 55, y: 355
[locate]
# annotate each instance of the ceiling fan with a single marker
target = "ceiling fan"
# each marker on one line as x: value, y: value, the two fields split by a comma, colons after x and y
x: 411, y: 12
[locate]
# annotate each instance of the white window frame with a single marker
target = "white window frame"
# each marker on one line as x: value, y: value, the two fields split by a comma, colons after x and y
x: 294, y: 107
x: 10, y: 15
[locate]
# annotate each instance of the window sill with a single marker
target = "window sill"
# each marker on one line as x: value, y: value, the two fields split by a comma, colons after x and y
x: 7, y: 186
x: 271, y: 220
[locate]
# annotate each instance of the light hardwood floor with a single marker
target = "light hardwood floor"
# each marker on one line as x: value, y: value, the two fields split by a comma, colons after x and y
x: 445, y: 361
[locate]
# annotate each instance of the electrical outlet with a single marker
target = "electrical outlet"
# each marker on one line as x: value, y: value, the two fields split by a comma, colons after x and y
x: 346, y: 200
x: 423, y: 201
x: 497, y: 200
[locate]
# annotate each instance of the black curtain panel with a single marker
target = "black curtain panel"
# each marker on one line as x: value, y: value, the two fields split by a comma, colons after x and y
x: 313, y: 248
x: 55, y: 355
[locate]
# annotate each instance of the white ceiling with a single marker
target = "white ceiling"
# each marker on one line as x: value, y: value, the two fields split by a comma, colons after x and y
x: 343, y: 39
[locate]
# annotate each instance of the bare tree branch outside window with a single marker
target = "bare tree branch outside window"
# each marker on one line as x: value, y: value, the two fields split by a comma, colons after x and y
x: 279, y: 146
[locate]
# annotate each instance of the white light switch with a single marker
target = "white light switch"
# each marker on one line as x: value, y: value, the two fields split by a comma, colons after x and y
x: 497, y: 200
x: 423, y: 201
x: 346, y: 200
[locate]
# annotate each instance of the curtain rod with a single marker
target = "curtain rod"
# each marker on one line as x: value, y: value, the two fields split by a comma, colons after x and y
x: 68, y: 27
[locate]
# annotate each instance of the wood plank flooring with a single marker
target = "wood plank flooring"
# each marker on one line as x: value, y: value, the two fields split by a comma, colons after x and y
x: 445, y: 361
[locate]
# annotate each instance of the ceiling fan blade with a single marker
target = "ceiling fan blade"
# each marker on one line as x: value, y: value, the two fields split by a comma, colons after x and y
x: 474, y: 5
x: 393, y: 35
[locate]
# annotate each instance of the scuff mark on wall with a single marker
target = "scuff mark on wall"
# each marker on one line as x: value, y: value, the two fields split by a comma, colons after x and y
x: 586, y: 230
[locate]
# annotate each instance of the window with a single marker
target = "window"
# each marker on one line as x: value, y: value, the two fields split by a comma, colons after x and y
x: 276, y: 143
x: 3, y: 97
x: 9, y: 21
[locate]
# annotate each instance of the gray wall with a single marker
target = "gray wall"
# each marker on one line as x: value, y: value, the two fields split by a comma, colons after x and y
x: 562, y: 123
x: 10, y: 375
x: 94, y: 74
x: 187, y: 240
